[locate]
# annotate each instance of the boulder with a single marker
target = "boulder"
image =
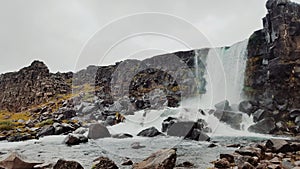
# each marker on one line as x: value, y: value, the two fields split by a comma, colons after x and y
x: 247, y: 107
x: 80, y: 130
x: 104, y: 163
x: 233, y: 119
x: 137, y: 145
x: 46, y: 131
x: 63, y: 164
x: 223, y: 105
x: 167, y: 123
x: 189, y: 130
x: 265, y: 126
x: 223, y: 163
x: 181, y: 129
x: 162, y: 159
x: 122, y: 135
x: 15, y: 161
x: 75, y: 139
x: 97, y: 131
x: 149, y: 132
x: 258, y: 115
x: 279, y: 146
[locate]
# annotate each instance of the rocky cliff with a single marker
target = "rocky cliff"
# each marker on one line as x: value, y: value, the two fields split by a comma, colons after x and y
x: 32, y: 85
x: 273, y: 68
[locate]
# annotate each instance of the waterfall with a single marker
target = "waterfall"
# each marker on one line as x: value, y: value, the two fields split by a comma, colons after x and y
x: 225, y: 68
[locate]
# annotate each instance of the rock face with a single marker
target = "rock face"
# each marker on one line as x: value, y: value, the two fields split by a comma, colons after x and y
x: 31, y: 86
x: 273, y: 67
x: 163, y: 159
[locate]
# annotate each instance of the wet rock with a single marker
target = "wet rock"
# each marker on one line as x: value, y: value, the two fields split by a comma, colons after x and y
x: 198, y: 135
x: 278, y: 145
x: 265, y: 126
x: 104, y: 163
x: 75, y: 139
x: 15, y: 161
x: 46, y: 131
x: 97, y: 131
x: 228, y: 157
x: 63, y: 164
x: 167, y: 123
x: 258, y: 115
x: 163, y: 159
x: 247, y: 165
x: 80, y: 130
x: 224, y: 105
x: 137, y: 145
x: 127, y: 162
x: 149, y: 132
x: 223, y: 163
x: 247, y: 107
x: 233, y: 119
x: 122, y: 135
x: 62, y: 128
x: 186, y: 164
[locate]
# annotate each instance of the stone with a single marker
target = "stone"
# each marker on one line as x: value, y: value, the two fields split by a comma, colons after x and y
x: 228, y: 157
x: 46, y: 131
x: 105, y: 163
x: 63, y: 164
x: 127, y: 162
x: 181, y: 129
x: 247, y: 107
x: 258, y: 115
x: 198, y: 135
x: 137, y: 145
x: 223, y: 163
x: 149, y: 132
x: 80, y: 130
x: 223, y: 105
x: 278, y: 146
x: 162, y: 159
x: 122, y: 136
x: 265, y: 126
x: 97, y: 131
x: 186, y: 164
x: 233, y: 119
x: 75, y: 139
x: 247, y: 165
x: 166, y: 124
x: 15, y: 161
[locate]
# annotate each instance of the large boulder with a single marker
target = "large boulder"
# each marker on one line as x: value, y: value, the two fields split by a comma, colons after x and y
x: 234, y: 119
x: 46, y: 131
x: 189, y: 130
x: 223, y: 105
x: 278, y: 146
x: 258, y: 115
x: 75, y: 139
x: 149, y: 132
x: 166, y: 124
x: 265, y: 126
x: 163, y: 159
x: 63, y: 164
x: 104, y: 163
x: 97, y: 131
x: 247, y: 107
x: 15, y: 161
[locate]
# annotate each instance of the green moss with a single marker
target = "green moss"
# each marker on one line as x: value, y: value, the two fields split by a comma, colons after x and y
x: 6, y: 125
x: 45, y: 123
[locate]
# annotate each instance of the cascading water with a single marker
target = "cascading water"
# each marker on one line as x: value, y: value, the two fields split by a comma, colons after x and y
x: 225, y: 69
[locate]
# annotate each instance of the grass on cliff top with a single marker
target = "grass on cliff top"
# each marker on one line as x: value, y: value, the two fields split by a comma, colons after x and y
x: 6, y: 115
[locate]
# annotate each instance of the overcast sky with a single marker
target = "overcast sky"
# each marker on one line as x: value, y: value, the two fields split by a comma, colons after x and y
x: 70, y: 34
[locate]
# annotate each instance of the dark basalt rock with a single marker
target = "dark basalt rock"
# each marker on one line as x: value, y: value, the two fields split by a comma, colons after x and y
x: 265, y: 126
x: 30, y: 86
x: 149, y: 132
x: 97, y: 131
x: 105, y: 163
x: 274, y: 57
x: 75, y: 139
x: 63, y: 164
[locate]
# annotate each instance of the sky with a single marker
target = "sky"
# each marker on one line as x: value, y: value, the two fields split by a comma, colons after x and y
x: 68, y: 35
